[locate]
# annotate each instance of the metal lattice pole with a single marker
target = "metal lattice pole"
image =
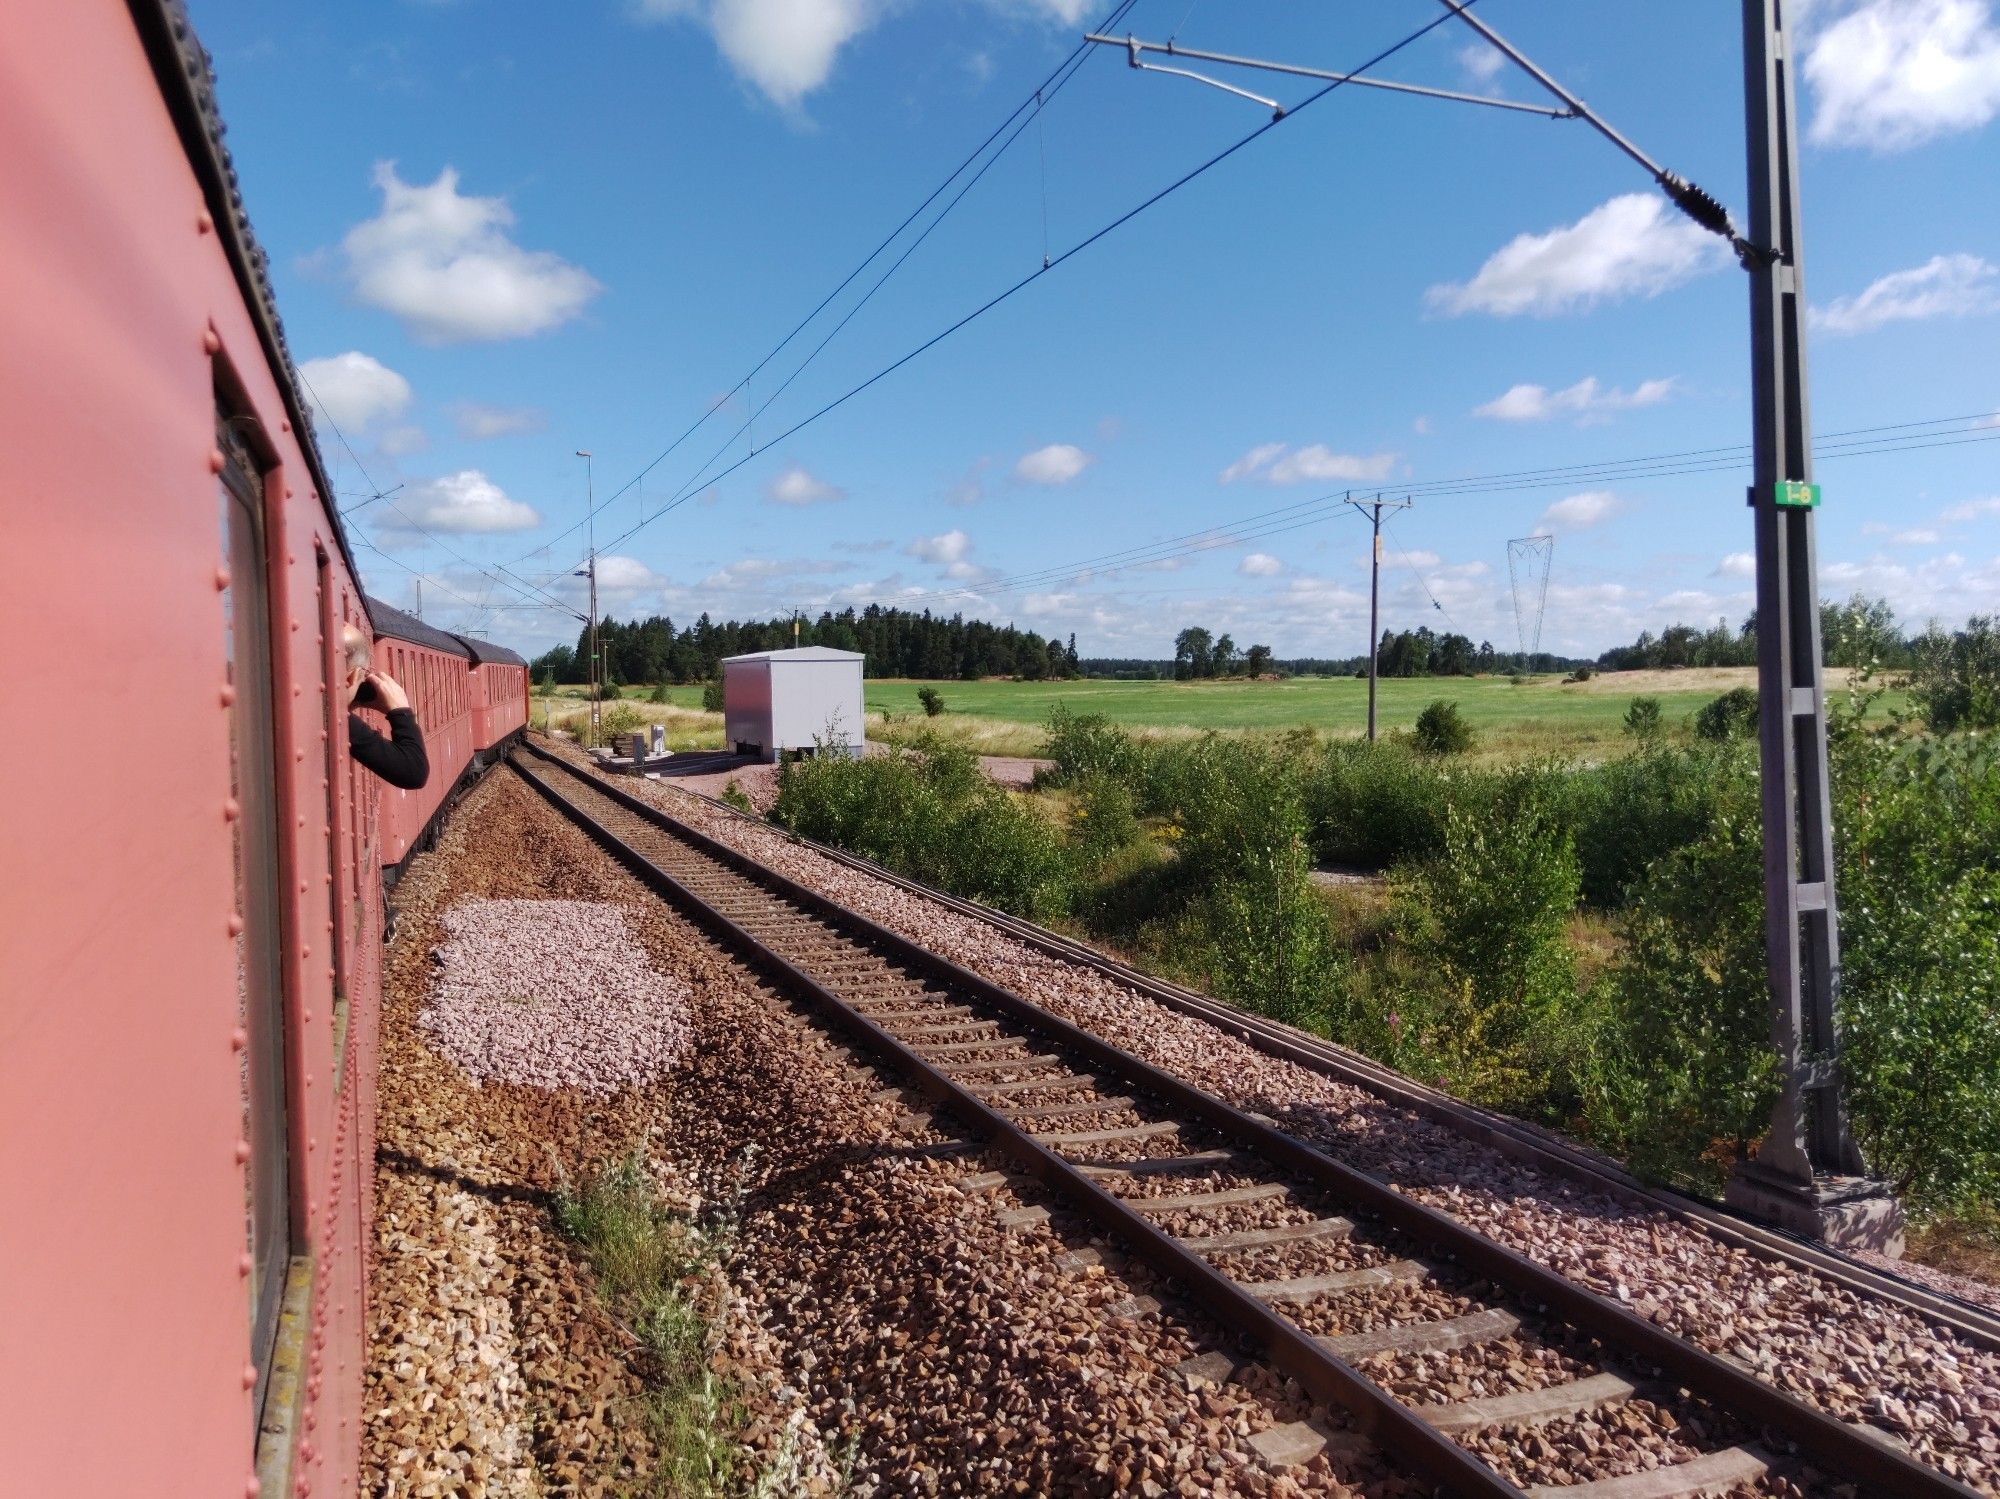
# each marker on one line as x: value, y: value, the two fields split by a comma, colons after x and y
x: 1807, y: 1172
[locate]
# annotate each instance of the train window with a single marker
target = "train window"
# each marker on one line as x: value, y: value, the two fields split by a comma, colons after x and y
x: 333, y: 692
x: 259, y: 975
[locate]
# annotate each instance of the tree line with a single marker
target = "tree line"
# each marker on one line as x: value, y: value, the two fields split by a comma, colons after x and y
x: 1860, y: 632
x: 896, y: 643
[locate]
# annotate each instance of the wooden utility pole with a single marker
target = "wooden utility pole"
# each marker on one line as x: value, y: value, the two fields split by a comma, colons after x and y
x: 1373, y: 509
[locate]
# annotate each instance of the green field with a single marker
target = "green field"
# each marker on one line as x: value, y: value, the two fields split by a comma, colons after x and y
x: 1542, y: 715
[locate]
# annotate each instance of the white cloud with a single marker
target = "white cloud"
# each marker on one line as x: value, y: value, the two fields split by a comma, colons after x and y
x: 1634, y: 245
x: 1276, y: 463
x: 1943, y: 286
x: 1916, y: 536
x: 1892, y: 74
x: 784, y: 48
x: 1058, y: 463
x: 1585, y: 400
x: 1587, y: 509
x: 625, y: 575
x: 951, y: 546
x: 1737, y: 565
x: 354, y: 390
x: 1972, y: 510
x: 1260, y: 565
x: 971, y: 488
x: 444, y: 265
x: 478, y: 421
x: 797, y: 487
x: 1482, y: 61
x: 1421, y: 426
x: 466, y: 503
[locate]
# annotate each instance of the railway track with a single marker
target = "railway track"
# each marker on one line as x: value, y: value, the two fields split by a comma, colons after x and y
x: 1355, y: 1291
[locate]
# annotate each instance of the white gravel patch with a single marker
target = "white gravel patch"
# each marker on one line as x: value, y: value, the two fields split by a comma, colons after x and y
x: 1865, y: 1360
x: 554, y: 994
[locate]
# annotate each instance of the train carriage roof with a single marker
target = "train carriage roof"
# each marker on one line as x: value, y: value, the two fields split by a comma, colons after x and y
x: 486, y: 653
x: 394, y: 623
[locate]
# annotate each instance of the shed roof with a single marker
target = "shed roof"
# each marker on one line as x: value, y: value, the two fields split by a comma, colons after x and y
x: 799, y: 653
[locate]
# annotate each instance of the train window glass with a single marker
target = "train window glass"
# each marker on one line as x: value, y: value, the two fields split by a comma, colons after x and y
x: 259, y: 975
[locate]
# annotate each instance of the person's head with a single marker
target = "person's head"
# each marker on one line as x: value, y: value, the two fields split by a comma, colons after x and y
x: 354, y: 650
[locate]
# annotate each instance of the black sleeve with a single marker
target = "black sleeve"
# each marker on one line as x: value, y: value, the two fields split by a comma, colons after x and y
x: 399, y: 759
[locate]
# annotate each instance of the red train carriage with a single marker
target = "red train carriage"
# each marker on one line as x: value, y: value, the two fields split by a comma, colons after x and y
x: 472, y: 699
x: 190, y: 926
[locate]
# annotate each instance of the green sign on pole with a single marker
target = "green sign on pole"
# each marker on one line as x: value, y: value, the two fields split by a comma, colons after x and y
x: 1795, y: 494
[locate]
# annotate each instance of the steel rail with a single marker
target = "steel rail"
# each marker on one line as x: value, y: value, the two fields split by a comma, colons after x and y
x: 1330, y: 1380
x: 1835, y: 1445
x: 1512, y: 1137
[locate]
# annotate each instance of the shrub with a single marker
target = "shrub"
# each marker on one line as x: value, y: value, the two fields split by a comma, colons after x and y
x: 1731, y: 716
x: 1581, y: 674
x: 1371, y: 805
x: 929, y: 812
x: 1486, y: 922
x: 1090, y: 744
x: 932, y: 699
x: 659, y: 692
x: 711, y: 696
x: 1442, y: 730
x: 1956, y: 681
x: 1102, y: 821
x: 1642, y: 719
x: 1689, y: 1074
x: 1629, y: 813
x: 1919, y: 900
x: 607, y: 690
x: 733, y: 795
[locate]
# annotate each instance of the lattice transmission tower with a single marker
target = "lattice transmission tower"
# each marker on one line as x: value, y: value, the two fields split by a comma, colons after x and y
x: 1529, y: 559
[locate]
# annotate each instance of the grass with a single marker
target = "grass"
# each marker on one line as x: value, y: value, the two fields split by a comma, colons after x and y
x: 1541, y: 716
x: 658, y: 1272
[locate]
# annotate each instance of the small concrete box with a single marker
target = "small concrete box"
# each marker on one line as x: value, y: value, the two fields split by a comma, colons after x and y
x: 778, y: 701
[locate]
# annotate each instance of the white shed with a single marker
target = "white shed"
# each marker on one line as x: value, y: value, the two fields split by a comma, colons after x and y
x: 775, y: 701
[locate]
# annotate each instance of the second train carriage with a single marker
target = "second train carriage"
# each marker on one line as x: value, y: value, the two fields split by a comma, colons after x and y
x: 471, y: 701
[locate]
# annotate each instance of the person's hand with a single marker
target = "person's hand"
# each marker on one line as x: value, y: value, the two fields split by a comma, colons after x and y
x: 389, y: 691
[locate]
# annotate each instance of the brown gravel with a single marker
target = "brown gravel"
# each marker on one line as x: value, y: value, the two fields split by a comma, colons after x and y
x: 1859, y: 1358
x: 880, y: 1320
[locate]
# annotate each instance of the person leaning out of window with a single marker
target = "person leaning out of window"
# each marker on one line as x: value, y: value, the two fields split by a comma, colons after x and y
x: 399, y: 759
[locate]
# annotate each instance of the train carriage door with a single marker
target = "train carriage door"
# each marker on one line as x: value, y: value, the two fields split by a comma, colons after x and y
x: 333, y: 678
x: 259, y: 980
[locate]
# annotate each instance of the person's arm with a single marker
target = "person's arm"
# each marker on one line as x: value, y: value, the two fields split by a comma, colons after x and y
x: 400, y: 759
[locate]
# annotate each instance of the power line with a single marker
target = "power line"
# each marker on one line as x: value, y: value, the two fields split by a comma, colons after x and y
x: 1034, y: 100
x: 1301, y: 513
x: 1074, y: 250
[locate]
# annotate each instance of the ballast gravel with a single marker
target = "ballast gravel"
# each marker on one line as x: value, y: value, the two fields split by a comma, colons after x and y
x: 554, y: 994
x: 1860, y: 1358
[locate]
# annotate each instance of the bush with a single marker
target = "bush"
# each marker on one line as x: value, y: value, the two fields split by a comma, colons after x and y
x: 1731, y: 716
x: 1689, y: 1074
x: 733, y: 795
x: 711, y: 696
x: 928, y: 812
x: 1371, y: 805
x: 932, y: 699
x: 1102, y: 821
x: 1581, y: 674
x: 1628, y: 814
x: 1090, y: 744
x: 659, y: 692
x: 1956, y: 681
x: 607, y: 691
x: 1920, y: 920
x: 1442, y: 730
x: 1642, y: 719
x: 1486, y: 922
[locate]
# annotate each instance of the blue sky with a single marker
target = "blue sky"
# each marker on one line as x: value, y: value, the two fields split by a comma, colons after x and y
x: 504, y: 232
